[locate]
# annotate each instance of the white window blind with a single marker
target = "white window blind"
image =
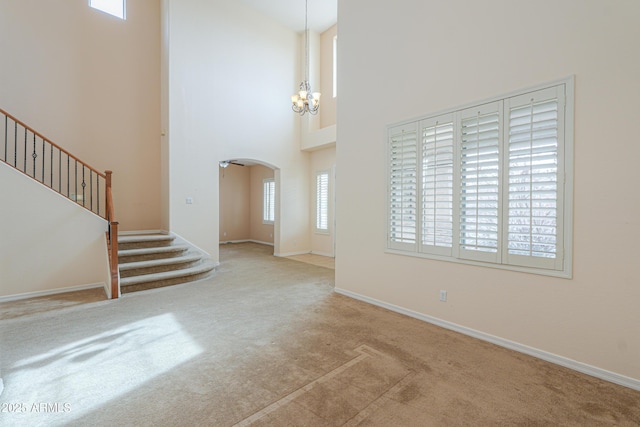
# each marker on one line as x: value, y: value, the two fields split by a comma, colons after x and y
x: 437, y: 185
x: 403, y: 187
x: 480, y: 183
x: 322, y: 201
x: 486, y: 184
x: 269, y: 201
x: 534, y: 228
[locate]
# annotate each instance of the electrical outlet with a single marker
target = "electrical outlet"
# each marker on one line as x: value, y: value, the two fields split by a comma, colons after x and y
x: 443, y: 296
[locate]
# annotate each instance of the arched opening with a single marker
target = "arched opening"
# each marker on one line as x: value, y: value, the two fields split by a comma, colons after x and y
x: 248, y: 208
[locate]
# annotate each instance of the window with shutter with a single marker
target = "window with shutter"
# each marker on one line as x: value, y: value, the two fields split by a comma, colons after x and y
x: 487, y: 184
x: 437, y: 185
x: 534, y: 227
x: 322, y: 201
x: 403, y: 188
x: 269, y: 201
x: 480, y: 182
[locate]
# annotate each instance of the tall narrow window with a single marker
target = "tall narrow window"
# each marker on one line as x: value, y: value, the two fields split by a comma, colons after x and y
x: 335, y: 66
x: 534, y: 194
x: 116, y: 8
x: 403, y: 188
x: 437, y: 185
x: 269, y: 201
x: 322, y: 202
x: 480, y: 182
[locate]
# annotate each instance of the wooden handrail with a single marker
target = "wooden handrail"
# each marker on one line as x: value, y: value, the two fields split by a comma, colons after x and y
x: 71, y: 177
x: 39, y: 135
x: 113, y: 239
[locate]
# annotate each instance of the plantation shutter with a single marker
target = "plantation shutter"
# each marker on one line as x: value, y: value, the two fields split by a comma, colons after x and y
x: 437, y: 185
x: 322, y: 201
x: 534, y: 224
x: 268, y: 199
x: 479, y: 211
x: 403, y: 188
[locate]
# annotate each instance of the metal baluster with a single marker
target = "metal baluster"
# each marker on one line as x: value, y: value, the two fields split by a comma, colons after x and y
x: 34, y: 155
x: 51, y: 166
x: 84, y: 184
x: 68, y: 167
x: 60, y: 171
x: 91, y: 189
x: 43, y: 159
x: 15, y: 145
x: 75, y: 181
x: 6, y: 136
x: 98, y: 192
x: 24, y: 169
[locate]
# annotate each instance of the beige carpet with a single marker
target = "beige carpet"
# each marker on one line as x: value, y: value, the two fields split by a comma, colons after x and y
x: 267, y: 343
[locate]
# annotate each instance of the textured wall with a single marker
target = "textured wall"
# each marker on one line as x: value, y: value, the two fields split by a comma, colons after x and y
x: 412, y: 58
x: 91, y: 83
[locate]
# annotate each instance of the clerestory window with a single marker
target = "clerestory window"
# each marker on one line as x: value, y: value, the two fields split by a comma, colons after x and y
x: 116, y: 8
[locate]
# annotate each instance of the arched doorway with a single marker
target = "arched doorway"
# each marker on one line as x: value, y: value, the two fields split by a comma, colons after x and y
x: 248, y: 208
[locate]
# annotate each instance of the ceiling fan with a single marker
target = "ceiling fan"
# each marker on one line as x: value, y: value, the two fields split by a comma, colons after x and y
x: 226, y: 163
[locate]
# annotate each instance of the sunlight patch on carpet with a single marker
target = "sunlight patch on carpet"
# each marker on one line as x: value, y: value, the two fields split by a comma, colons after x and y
x: 73, y: 375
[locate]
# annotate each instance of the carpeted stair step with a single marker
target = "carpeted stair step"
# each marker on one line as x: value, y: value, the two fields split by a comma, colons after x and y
x: 153, y: 260
x: 158, y: 265
x: 136, y: 241
x: 156, y: 280
x: 146, y: 254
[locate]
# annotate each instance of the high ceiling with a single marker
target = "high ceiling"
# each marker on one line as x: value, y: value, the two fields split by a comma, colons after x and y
x: 290, y: 13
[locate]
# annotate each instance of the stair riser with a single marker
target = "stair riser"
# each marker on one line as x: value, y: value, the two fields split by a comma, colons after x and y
x: 149, y: 257
x: 140, y: 245
x: 157, y: 269
x: 168, y: 282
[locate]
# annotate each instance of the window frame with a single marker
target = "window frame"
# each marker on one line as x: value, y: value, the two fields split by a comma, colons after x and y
x: 319, y: 230
x: 562, y: 265
x: 335, y: 67
x: 268, y: 201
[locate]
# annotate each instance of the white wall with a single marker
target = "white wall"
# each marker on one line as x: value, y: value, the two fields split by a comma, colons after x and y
x: 230, y: 74
x: 425, y: 59
x: 322, y: 160
x: 259, y: 231
x: 61, y: 247
x: 235, y: 203
x: 91, y: 83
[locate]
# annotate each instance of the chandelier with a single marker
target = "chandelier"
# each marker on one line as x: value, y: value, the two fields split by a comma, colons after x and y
x: 306, y: 101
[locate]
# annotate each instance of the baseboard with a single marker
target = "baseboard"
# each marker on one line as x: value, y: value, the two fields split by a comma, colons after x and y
x: 286, y: 254
x: 246, y: 241
x: 322, y: 254
x: 195, y: 246
x: 261, y: 243
x: 51, y: 292
x: 584, y: 368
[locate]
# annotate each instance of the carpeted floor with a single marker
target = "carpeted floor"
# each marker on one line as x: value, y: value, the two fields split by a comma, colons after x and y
x: 266, y: 342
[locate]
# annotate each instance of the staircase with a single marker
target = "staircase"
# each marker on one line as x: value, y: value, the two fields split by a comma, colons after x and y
x: 148, y: 261
x: 40, y: 159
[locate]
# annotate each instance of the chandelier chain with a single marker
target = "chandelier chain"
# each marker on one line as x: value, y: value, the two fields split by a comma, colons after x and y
x: 306, y: 101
